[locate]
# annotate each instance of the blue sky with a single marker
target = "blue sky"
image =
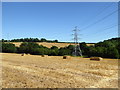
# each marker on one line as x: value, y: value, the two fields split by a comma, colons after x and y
x: 56, y: 20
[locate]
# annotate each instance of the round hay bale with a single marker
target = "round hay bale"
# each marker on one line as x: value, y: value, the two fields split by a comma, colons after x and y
x: 22, y: 54
x: 96, y: 58
x: 66, y: 57
x: 44, y: 55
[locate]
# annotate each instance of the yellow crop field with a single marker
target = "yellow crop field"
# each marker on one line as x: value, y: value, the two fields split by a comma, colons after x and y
x: 35, y: 71
x: 49, y: 44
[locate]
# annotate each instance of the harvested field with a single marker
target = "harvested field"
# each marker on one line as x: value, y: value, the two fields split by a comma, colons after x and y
x: 32, y: 71
x: 49, y: 45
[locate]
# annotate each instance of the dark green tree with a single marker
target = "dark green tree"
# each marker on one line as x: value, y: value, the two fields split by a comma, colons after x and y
x: 43, y: 40
x: 8, y: 48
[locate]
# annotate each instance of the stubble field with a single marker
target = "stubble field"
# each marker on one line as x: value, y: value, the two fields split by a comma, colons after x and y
x: 34, y: 71
x: 49, y: 45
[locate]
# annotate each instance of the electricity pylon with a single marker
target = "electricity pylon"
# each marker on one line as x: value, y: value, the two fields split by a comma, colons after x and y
x: 77, y: 51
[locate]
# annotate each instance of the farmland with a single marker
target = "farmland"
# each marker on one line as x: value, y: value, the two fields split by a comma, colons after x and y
x: 34, y: 71
x: 49, y: 44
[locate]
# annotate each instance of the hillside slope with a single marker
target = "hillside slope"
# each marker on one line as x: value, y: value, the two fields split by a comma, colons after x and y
x: 48, y: 44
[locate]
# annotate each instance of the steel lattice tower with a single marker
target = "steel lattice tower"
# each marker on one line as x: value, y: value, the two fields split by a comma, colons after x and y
x: 77, y: 51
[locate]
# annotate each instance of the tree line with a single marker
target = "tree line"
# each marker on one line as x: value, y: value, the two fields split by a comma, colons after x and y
x: 35, y: 49
x: 29, y: 40
x: 106, y: 49
x: 34, y: 40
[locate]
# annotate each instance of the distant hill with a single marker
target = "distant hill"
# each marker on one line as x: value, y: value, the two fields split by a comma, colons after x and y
x: 50, y: 44
x: 107, y: 49
x: 42, y: 41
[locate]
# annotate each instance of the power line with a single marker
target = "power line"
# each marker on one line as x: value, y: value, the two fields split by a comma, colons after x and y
x: 100, y: 19
x: 105, y: 34
x: 108, y: 34
x: 102, y: 30
x: 90, y: 25
x: 102, y: 10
